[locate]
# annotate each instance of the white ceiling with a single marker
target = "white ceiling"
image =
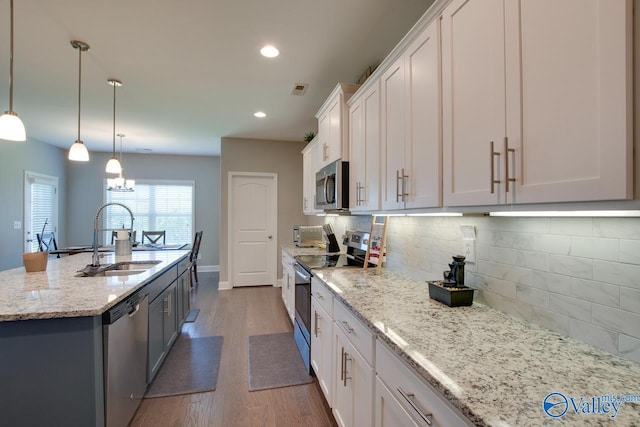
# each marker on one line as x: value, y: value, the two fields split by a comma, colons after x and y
x: 191, y: 69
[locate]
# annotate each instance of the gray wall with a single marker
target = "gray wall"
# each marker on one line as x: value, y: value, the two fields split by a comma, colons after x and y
x: 85, y: 184
x: 281, y: 157
x: 15, y: 158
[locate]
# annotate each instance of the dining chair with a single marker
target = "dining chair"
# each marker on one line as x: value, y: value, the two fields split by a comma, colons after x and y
x: 154, y: 237
x: 132, y: 236
x: 47, y: 242
x: 193, y: 258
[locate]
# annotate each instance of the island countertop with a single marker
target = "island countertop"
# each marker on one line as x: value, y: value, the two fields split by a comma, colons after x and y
x: 494, y: 368
x: 57, y: 292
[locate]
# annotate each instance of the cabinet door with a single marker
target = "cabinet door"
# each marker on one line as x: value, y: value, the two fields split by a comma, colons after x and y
x: 310, y: 165
x: 370, y: 186
x: 170, y: 325
x: 473, y: 113
x: 336, y: 123
x: 343, y: 398
x: 322, y: 349
x: 357, y: 148
x: 393, y: 135
x: 569, y: 99
x: 423, y: 148
x: 324, y: 131
x: 156, y: 347
x: 389, y: 413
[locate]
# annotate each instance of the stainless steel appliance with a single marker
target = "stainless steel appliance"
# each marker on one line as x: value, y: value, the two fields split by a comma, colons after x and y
x: 356, y: 242
x: 307, y: 236
x: 332, y: 187
x: 125, y: 358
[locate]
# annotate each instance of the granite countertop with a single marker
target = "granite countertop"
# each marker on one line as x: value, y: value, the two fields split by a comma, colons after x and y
x: 293, y: 250
x: 495, y: 369
x: 57, y: 292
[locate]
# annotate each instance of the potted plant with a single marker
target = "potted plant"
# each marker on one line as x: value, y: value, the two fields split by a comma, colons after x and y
x: 309, y: 136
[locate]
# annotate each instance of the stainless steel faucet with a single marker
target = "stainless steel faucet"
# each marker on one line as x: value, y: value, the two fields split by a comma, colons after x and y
x: 95, y: 262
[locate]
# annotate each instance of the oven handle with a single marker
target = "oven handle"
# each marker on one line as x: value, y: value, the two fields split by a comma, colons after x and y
x: 302, y: 274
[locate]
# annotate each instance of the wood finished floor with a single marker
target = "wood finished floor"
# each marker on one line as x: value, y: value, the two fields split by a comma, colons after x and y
x: 236, y: 314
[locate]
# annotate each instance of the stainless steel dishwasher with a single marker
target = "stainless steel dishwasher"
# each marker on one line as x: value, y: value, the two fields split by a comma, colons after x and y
x: 125, y: 334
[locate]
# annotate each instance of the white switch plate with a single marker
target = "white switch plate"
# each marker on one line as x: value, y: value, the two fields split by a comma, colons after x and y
x: 17, y: 225
x: 469, y: 250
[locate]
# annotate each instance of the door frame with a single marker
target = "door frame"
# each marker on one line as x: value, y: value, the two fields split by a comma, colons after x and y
x: 231, y: 222
x: 31, y: 177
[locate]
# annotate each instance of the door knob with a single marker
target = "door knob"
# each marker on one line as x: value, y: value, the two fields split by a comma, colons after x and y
x: 270, y: 237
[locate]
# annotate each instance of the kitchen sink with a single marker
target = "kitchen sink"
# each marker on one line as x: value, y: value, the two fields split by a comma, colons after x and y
x: 123, y: 268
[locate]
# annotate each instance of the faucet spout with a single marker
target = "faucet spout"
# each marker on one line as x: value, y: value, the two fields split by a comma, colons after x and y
x: 95, y: 261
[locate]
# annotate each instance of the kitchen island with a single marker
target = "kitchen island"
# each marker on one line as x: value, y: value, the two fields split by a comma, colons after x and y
x: 493, y: 369
x: 51, y: 335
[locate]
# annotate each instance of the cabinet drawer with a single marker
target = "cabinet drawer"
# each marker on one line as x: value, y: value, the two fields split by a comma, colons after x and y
x: 357, y: 332
x: 323, y: 295
x: 183, y: 265
x: 397, y: 376
x: 161, y: 283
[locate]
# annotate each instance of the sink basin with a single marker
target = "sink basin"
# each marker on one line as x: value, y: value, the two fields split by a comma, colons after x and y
x: 123, y: 268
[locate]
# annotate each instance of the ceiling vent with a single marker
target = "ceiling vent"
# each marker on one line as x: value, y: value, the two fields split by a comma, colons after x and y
x: 299, y: 89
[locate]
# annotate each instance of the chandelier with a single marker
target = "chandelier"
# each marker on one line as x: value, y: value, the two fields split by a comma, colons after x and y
x: 120, y: 183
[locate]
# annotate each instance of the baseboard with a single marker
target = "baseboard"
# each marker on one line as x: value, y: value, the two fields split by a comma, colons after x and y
x: 223, y: 286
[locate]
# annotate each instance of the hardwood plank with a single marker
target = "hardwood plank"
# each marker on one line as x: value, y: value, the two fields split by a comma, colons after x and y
x: 236, y: 314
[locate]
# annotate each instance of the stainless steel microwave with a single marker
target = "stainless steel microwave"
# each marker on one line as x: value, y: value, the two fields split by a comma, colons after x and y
x: 332, y: 187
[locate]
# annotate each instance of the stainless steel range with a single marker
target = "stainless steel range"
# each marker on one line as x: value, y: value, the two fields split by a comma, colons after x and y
x: 356, y: 242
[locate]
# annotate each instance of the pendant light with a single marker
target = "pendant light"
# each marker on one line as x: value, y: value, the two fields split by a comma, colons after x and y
x: 120, y: 183
x: 113, y: 165
x: 78, y: 151
x: 11, y: 127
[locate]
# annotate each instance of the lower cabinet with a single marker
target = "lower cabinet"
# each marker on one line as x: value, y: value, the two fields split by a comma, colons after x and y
x: 183, y: 304
x: 353, y: 370
x: 322, y: 339
x: 163, y: 328
x: 288, y: 284
x: 403, y: 399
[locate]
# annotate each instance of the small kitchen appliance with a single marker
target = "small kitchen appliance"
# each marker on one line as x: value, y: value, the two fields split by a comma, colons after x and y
x: 307, y: 236
x: 332, y: 187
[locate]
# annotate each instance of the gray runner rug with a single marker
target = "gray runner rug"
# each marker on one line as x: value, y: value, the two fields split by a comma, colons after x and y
x: 274, y: 362
x: 190, y: 367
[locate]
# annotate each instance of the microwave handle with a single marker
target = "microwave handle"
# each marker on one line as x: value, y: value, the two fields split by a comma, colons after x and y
x: 326, y: 186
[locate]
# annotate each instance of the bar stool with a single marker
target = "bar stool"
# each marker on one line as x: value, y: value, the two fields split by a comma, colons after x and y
x: 154, y: 237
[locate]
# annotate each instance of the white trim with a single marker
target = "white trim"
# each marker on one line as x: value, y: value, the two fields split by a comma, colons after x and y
x: 30, y: 177
x: 208, y: 268
x: 224, y: 286
x: 230, y: 176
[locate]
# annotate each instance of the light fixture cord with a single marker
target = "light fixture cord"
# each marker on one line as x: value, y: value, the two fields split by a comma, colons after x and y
x: 114, y: 122
x: 11, y: 63
x: 79, y: 86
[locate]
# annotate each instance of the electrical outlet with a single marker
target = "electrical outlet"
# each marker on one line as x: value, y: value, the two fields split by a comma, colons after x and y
x: 469, y: 250
x: 17, y: 225
x: 199, y: 256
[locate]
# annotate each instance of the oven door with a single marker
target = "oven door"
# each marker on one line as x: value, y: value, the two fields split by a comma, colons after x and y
x: 303, y: 300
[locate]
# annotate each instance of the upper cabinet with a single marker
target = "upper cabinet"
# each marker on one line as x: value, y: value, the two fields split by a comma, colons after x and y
x: 410, y: 126
x: 364, y: 146
x: 536, y: 101
x: 310, y: 160
x: 333, y: 125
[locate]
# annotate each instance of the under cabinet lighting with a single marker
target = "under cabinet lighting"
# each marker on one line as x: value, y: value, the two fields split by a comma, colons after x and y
x: 436, y: 214
x: 569, y: 214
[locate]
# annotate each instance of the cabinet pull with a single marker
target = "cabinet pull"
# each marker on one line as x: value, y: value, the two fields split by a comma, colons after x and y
x: 304, y: 203
x: 346, y: 359
x: 315, y: 318
x: 491, y: 156
x: 324, y: 151
x: 410, y: 398
x: 342, y: 364
x: 404, y: 186
x: 507, y: 150
x: 168, y: 301
x: 346, y: 326
x: 398, y: 178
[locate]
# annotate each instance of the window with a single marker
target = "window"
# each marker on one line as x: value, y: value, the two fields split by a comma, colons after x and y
x: 41, y: 207
x: 156, y: 205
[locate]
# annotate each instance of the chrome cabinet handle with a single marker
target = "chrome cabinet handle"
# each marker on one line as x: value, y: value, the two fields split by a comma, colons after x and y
x: 398, y: 178
x: 342, y: 364
x: 346, y: 359
x: 410, y: 398
x: 304, y: 203
x: 404, y: 186
x: 507, y: 150
x: 325, y: 148
x: 492, y: 154
x: 346, y: 326
x: 315, y: 328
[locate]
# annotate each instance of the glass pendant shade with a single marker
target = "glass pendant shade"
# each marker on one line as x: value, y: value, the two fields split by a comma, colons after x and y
x: 11, y: 127
x: 78, y: 152
x: 113, y: 166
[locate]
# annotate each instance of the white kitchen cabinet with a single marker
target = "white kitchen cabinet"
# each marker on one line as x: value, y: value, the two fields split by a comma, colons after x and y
x: 364, y: 146
x: 533, y: 112
x: 322, y: 339
x: 353, y: 370
x: 333, y: 125
x: 403, y: 399
x: 288, y: 284
x: 310, y: 165
x: 410, y: 126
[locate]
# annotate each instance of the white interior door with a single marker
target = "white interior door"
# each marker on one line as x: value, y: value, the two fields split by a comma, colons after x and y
x: 253, y: 228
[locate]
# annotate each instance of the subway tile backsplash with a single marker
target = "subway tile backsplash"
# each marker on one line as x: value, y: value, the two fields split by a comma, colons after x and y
x: 577, y: 276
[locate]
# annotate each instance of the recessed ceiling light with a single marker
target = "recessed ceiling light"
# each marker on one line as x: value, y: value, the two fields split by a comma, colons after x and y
x: 260, y: 114
x: 269, y: 51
